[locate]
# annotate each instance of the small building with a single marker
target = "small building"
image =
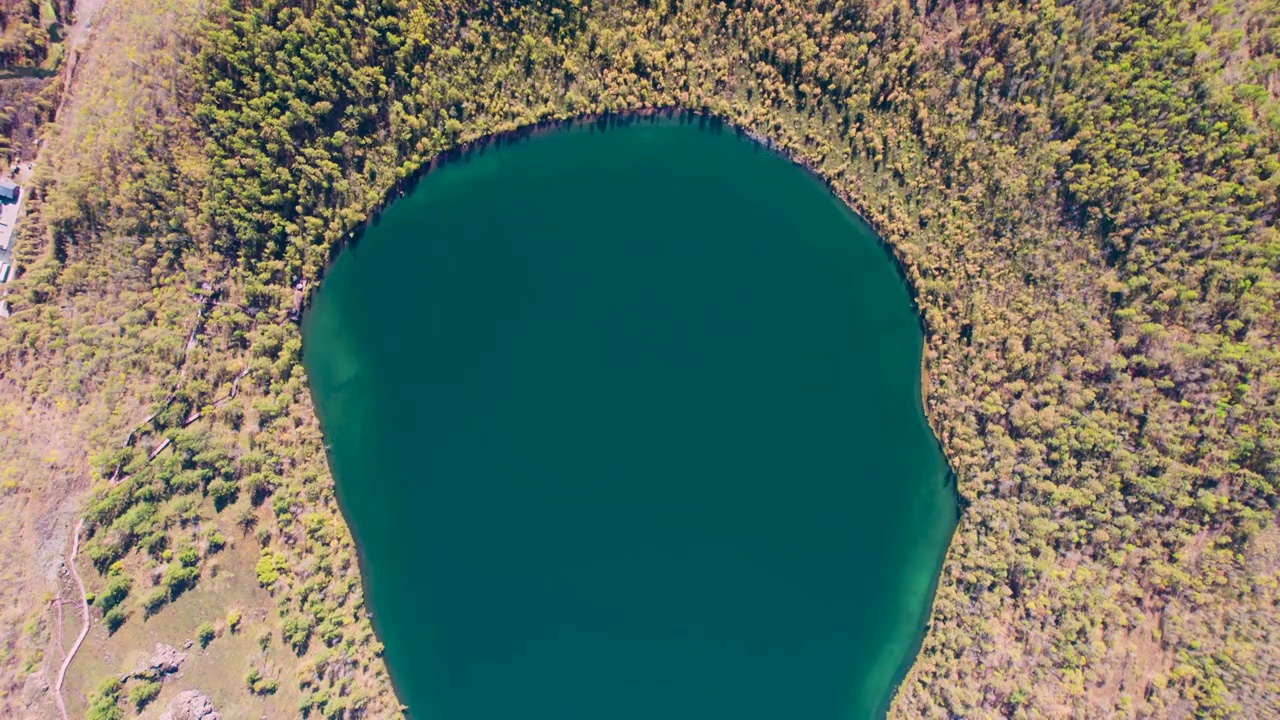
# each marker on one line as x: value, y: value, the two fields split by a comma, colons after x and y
x: 8, y: 190
x: 8, y: 218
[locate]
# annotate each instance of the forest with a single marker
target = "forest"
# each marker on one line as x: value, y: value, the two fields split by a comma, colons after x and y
x: 1082, y: 195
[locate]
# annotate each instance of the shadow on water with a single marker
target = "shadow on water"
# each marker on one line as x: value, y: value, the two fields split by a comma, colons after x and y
x: 467, y: 151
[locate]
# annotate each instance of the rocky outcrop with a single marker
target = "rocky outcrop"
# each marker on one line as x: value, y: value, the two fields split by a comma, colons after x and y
x: 166, y: 660
x: 190, y: 705
x: 35, y: 692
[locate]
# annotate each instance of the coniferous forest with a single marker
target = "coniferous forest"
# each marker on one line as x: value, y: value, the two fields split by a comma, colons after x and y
x: 1082, y: 196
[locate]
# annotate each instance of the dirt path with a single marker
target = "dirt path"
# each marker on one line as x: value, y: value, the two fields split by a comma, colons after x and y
x: 77, y: 34
x: 84, y: 630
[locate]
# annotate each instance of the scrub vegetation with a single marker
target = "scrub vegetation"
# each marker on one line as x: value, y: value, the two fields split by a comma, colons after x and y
x: 36, y: 37
x: 1082, y: 195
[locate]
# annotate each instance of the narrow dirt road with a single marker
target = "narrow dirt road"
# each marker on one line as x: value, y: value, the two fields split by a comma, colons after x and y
x: 77, y: 36
x: 84, y: 629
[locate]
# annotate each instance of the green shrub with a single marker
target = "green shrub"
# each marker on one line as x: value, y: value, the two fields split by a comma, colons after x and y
x: 138, y: 521
x: 154, y: 543
x: 216, y: 541
x: 184, y: 482
x: 113, y: 619
x: 143, y: 692
x: 115, y: 592
x: 186, y: 509
x: 330, y: 632
x: 281, y: 505
x: 106, y: 508
x: 102, y: 553
x: 177, y: 579
x: 104, y: 703
x: 204, y: 634
x: 259, y: 485
x: 246, y: 518
x: 232, y: 414
x: 259, y: 685
x: 188, y: 556
x: 269, y: 567
x: 154, y: 601
x: 223, y: 493
x: 296, y: 632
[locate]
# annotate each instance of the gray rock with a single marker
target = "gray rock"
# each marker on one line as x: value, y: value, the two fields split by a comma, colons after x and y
x: 190, y: 705
x: 165, y: 661
x: 35, y: 689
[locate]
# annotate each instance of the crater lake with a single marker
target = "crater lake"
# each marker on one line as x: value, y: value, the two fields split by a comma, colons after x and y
x: 627, y: 424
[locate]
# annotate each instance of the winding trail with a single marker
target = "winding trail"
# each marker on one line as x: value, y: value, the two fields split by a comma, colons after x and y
x: 84, y: 630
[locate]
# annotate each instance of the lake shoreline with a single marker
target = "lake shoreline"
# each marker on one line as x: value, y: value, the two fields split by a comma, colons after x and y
x: 467, y: 147
x: 472, y: 148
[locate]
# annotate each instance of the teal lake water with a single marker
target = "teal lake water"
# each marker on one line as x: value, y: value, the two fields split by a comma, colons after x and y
x: 627, y: 424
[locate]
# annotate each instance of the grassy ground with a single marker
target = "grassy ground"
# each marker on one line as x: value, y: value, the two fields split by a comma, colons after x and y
x: 219, y: 671
x: 42, y: 470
